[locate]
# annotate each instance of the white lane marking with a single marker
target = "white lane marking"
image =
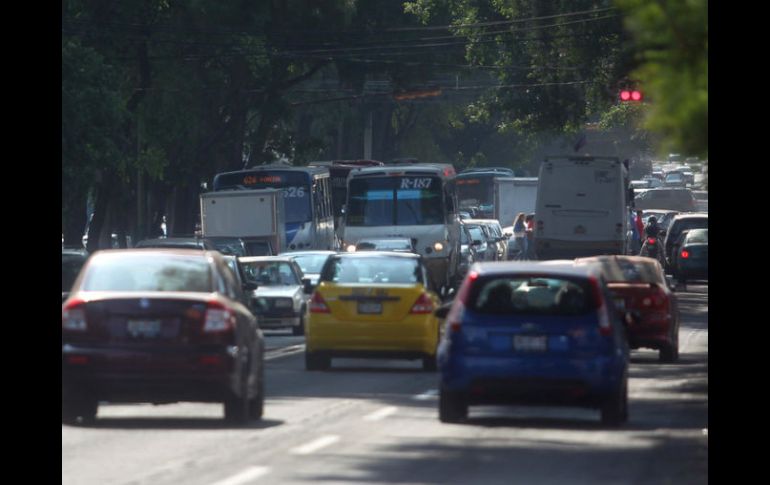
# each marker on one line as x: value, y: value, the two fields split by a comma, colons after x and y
x: 380, y: 414
x: 429, y: 394
x: 315, y: 445
x: 284, y: 351
x: 245, y: 476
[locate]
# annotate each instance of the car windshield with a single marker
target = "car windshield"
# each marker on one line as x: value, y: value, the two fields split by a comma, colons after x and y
x: 269, y: 273
x: 476, y: 233
x: 531, y: 295
x: 148, y: 272
x: 377, y: 269
x: 258, y: 248
x: 228, y: 245
x: 697, y: 236
x: 385, y: 245
x: 311, y: 263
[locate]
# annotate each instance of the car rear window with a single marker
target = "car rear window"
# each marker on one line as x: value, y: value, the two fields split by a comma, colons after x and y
x: 697, y: 236
x: 148, y: 272
x: 531, y: 295
x: 373, y: 270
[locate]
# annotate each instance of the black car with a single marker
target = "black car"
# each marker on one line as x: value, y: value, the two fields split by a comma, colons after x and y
x: 159, y: 326
x: 691, y: 258
x: 679, y: 224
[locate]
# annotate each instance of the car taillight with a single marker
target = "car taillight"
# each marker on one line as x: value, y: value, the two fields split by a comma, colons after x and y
x: 219, y: 318
x: 422, y: 305
x: 651, y: 240
x: 605, y: 327
x: 73, y: 316
x: 656, y: 299
x: 318, y: 304
x: 685, y: 253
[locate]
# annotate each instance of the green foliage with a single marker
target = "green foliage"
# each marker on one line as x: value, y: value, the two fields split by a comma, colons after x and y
x: 672, y: 41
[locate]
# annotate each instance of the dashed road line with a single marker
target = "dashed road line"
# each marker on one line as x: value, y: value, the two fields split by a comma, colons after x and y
x: 315, y: 445
x: 380, y: 414
x: 245, y: 476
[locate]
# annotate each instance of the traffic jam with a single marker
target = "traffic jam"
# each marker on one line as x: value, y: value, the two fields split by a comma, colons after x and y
x: 412, y: 324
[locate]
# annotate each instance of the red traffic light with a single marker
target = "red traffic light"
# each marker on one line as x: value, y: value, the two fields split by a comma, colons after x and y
x: 627, y: 95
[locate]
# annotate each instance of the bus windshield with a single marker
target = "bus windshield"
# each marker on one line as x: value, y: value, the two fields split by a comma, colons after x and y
x: 295, y: 185
x: 395, y: 201
x: 474, y: 191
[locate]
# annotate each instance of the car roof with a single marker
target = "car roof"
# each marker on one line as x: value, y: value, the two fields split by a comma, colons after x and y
x: 257, y: 259
x: 372, y: 254
x: 689, y: 215
x: 290, y: 254
x: 555, y: 268
x: 484, y: 221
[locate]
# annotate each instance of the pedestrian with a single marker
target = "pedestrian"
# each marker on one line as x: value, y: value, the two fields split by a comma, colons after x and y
x: 530, y: 220
x: 640, y: 227
x: 636, y: 235
x: 520, y: 235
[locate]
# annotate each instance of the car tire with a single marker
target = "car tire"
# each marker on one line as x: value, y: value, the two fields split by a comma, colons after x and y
x: 317, y: 361
x: 614, y: 410
x: 429, y: 363
x: 78, y: 406
x: 257, y: 405
x: 237, y: 409
x: 452, y: 406
x: 300, y: 329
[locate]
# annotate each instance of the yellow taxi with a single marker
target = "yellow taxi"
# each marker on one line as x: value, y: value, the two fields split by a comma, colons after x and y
x: 372, y: 304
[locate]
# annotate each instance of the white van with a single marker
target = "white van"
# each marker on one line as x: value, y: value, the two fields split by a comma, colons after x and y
x: 582, y: 207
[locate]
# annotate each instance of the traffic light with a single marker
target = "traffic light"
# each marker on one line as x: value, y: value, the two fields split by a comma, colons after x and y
x: 630, y: 95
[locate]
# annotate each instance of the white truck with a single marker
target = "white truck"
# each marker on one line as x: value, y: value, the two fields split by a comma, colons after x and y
x: 513, y: 195
x: 255, y: 216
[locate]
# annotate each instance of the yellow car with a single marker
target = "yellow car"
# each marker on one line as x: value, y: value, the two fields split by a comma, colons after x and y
x: 372, y: 304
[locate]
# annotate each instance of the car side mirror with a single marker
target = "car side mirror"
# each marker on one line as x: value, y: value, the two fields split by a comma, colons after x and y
x: 307, y: 286
x: 250, y: 286
x: 442, y: 311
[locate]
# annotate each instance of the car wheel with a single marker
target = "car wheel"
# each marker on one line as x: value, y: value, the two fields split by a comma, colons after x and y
x: 316, y: 361
x: 429, y: 363
x: 452, y: 406
x: 257, y: 405
x: 237, y: 409
x: 76, y: 404
x: 300, y: 329
x: 614, y: 410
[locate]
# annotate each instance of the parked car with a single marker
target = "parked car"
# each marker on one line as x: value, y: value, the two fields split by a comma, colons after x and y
x: 691, y: 258
x: 159, y: 326
x: 534, y: 334
x: 681, y: 223
x: 281, y: 297
x: 677, y: 199
x: 72, y: 261
x: 310, y: 262
x: 482, y: 239
x: 373, y: 304
x: 398, y: 244
x: 641, y: 290
x: 202, y: 244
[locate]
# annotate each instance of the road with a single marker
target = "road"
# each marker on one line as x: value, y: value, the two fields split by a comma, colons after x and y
x: 377, y: 422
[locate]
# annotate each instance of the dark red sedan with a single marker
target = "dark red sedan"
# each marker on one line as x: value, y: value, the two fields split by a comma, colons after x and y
x: 159, y: 326
x: 639, y: 287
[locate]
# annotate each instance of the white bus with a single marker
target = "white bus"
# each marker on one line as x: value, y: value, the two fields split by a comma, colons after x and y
x: 582, y: 207
x: 412, y: 201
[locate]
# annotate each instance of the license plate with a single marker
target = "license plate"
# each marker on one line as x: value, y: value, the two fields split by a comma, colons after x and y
x: 529, y: 343
x: 620, y: 303
x: 143, y: 328
x: 369, y: 308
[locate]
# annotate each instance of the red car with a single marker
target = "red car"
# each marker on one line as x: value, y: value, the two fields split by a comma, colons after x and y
x: 640, y: 288
x: 159, y: 326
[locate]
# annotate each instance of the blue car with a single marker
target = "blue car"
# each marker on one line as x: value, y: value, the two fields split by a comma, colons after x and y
x: 533, y: 334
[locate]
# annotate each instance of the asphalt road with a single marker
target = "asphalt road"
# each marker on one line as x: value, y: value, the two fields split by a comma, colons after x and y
x: 377, y: 422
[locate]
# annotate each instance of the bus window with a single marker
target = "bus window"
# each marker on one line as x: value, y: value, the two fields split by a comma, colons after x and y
x: 398, y: 201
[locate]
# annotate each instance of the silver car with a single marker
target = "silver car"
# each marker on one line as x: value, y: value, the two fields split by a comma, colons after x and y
x: 280, y: 300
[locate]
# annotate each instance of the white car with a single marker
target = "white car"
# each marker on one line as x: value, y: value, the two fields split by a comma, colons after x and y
x: 280, y: 299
